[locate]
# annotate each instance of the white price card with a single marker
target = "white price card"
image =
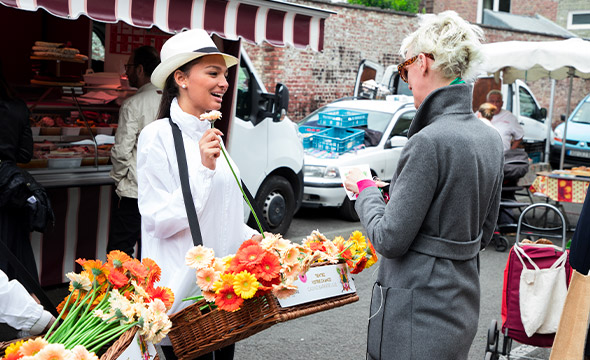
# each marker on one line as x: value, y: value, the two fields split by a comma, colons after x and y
x: 345, y: 170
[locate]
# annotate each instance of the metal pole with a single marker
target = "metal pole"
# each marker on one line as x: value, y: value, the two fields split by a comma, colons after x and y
x: 567, y: 114
x: 549, y: 122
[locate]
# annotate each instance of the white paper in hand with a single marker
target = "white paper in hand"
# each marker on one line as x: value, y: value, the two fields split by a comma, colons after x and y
x: 345, y: 170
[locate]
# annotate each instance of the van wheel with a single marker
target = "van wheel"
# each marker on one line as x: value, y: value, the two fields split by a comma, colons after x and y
x: 347, y: 211
x: 276, y: 200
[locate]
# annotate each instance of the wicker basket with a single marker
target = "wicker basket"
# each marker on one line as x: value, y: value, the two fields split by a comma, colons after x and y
x: 195, y: 332
x: 113, y: 351
x: 293, y: 312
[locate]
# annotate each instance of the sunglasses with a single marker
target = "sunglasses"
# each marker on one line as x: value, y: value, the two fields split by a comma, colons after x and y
x: 401, y: 68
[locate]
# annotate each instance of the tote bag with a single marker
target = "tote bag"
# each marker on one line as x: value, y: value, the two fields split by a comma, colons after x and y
x: 542, y: 294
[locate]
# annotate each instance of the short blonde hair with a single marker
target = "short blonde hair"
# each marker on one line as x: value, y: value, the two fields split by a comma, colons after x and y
x: 455, y: 44
x: 487, y: 110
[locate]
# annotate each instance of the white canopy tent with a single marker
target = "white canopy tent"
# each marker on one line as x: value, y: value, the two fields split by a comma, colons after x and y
x: 533, y: 60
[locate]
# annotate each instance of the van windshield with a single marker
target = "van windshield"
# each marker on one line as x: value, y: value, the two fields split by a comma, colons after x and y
x: 582, y: 115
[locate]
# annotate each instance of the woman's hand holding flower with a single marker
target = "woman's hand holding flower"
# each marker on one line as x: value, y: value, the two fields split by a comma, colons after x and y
x: 210, y: 147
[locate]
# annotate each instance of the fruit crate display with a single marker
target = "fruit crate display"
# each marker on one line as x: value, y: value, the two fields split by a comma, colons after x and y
x: 343, y: 118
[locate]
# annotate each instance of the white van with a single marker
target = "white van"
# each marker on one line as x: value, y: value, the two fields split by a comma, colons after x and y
x: 265, y: 144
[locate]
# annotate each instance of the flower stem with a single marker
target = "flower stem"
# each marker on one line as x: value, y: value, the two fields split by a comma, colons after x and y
x: 63, y: 310
x: 243, y: 193
x: 114, y: 334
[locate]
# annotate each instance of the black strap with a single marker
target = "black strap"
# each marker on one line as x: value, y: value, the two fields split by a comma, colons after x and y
x: 257, y: 210
x: 27, y: 280
x: 191, y: 212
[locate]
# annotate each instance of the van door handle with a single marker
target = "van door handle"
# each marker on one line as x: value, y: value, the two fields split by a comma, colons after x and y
x: 521, y: 123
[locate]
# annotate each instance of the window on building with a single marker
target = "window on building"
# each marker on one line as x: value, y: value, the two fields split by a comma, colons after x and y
x: 494, y: 5
x: 578, y: 20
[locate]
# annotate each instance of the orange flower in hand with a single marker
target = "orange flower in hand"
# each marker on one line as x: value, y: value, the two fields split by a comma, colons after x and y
x: 117, y: 258
x: 162, y: 293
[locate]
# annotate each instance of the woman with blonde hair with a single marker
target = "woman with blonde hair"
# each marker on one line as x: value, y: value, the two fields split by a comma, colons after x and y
x: 444, y: 201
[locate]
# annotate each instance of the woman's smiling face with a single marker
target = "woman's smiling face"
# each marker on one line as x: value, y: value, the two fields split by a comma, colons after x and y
x: 203, y: 86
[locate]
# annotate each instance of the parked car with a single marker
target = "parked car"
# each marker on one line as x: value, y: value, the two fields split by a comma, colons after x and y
x: 386, y: 131
x: 577, y: 142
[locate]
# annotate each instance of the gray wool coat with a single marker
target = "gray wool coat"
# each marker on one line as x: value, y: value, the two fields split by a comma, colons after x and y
x: 444, y: 202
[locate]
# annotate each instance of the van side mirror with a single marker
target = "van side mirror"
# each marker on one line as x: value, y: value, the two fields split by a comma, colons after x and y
x: 282, y: 102
x: 542, y: 113
x: 562, y: 117
x: 270, y: 105
x: 396, y: 141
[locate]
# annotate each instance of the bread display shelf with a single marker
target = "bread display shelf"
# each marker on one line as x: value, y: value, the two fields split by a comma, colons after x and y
x: 55, y: 58
x: 56, y: 83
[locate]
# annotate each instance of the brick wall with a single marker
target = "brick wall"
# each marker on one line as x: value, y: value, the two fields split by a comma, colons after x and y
x: 357, y: 33
x: 466, y: 9
x: 546, y: 8
x: 572, y: 5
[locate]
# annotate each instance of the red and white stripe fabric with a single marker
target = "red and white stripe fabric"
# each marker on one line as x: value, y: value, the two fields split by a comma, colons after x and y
x: 274, y: 21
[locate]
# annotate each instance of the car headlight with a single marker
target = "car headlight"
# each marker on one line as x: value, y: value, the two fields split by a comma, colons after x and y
x: 329, y: 172
x: 558, y: 134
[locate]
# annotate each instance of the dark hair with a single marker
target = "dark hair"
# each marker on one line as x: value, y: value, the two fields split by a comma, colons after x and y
x: 170, y: 90
x: 6, y: 92
x: 148, y: 57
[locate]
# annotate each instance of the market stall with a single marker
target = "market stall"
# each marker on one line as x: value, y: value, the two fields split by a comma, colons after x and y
x: 75, y: 134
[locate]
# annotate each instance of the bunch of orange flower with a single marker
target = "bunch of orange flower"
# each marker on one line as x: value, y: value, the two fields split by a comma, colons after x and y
x: 105, y: 300
x: 357, y: 251
x: 257, y: 269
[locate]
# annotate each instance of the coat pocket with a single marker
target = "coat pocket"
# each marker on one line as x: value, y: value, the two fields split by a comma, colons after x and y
x: 390, y: 323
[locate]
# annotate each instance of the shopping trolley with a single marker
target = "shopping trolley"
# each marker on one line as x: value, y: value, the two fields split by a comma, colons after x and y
x: 544, y: 256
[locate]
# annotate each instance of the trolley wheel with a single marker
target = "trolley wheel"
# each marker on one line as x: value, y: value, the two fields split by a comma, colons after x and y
x: 501, y: 243
x: 493, y: 339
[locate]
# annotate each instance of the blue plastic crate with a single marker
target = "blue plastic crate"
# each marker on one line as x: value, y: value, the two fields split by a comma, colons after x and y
x: 308, y: 133
x: 338, y: 140
x: 343, y: 118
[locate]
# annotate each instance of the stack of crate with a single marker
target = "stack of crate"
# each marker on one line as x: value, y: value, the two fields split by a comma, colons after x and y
x: 338, y: 135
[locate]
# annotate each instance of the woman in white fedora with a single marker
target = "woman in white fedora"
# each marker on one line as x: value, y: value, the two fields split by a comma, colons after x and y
x: 192, y: 75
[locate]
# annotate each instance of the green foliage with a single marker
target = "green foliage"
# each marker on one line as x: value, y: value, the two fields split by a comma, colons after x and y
x: 411, y: 6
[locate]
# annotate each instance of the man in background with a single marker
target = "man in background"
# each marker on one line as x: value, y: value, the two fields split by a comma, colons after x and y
x: 506, y: 123
x: 135, y: 113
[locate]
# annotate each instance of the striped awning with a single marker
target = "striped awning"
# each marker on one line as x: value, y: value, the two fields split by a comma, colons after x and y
x: 277, y: 22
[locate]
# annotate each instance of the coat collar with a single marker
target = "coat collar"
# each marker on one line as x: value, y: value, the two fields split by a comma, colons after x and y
x: 451, y: 99
x: 188, y: 124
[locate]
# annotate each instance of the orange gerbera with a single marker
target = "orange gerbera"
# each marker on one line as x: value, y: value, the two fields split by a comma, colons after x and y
x: 283, y: 291
x: 206, y: 278
x: 268, y: 268
x: 13, y: 356
x: 154, y: 271
x: 117, y: 258
x: 227, y: 299
x: 359, y: 265
x: 250, y: 255
x: 137, y: 269
x: 247, y: 243
x: 117, y: 279
x: 162, y: 293
x: 96, y: 269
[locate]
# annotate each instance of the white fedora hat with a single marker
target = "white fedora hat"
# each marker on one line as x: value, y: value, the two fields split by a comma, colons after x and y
x: 183, y: 48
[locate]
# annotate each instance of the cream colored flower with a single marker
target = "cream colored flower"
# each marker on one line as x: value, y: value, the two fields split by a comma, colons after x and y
x: 206, y: 278
x: 32, y: 347
x: 211, y: 115
x: 79, y: 281
x: 290, y: 257
x: 199, y: 257
x: 80, y: 353
x: 283, y: 290
x: 54, y: 352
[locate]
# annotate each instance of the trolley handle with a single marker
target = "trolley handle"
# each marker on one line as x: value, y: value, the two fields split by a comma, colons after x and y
x: 531, y: 207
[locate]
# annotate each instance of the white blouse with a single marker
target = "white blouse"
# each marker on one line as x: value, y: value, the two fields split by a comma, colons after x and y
x: 219, y: 203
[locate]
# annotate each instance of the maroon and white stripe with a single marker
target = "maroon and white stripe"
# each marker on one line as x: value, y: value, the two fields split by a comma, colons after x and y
x: 274, y: 21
